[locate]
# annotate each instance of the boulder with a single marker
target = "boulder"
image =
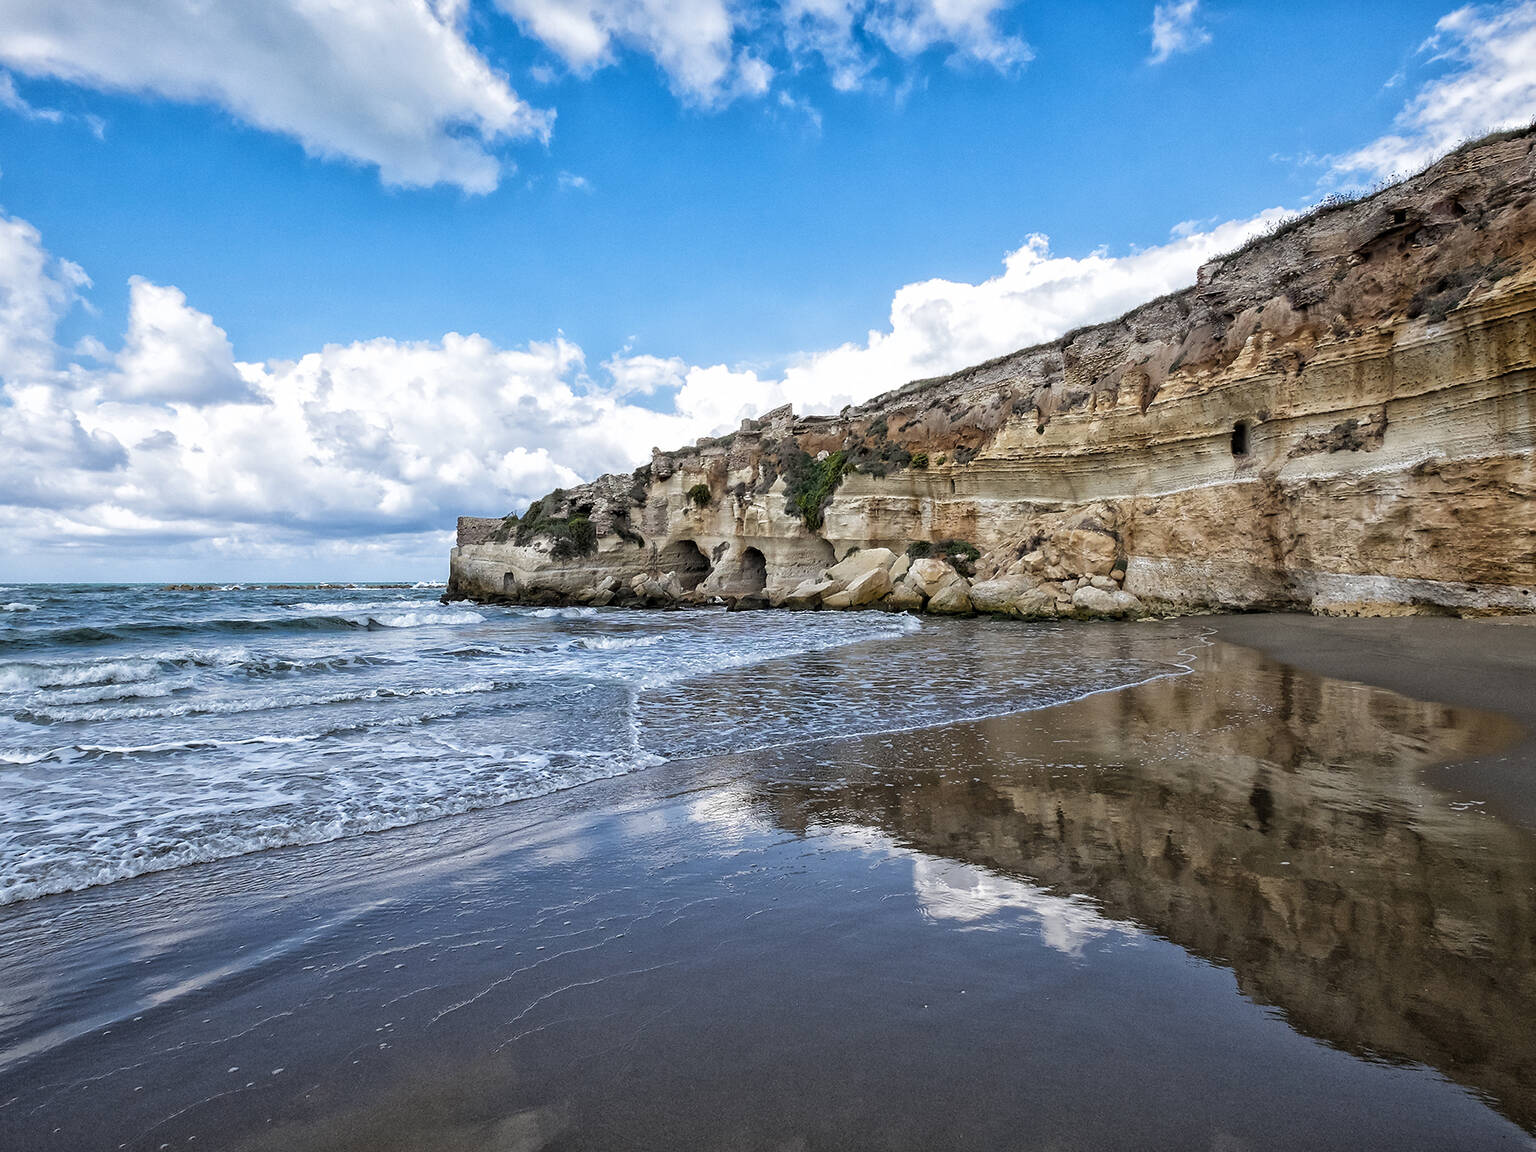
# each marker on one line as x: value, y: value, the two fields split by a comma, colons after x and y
x: 1102, y: 603
x: 951, y: 600
x: 653, y: 592
x: 928, y: 575
x: 1001, y: 594
x: 868, y: 588
x: 1039, y: 603
x: 1085, y: 552
x: 867, y: 560
x: 904, y: 598
x: 899, y: 569
x: 1103, y: 583
x: 837, y: 600
x: 809, y: 593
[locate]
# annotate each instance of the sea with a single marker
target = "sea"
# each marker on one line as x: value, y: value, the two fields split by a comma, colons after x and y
x: 146, y: 728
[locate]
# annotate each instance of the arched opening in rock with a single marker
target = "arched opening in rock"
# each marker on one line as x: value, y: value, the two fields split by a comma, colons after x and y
x: 684, y: 558
x: 1240, y: 438
x: 754, y: 572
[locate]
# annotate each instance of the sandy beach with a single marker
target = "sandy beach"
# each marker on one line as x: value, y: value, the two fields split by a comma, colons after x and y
x: 1281, y: 900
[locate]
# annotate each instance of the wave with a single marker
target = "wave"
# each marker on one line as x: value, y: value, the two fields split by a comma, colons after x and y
x: 51, y: 677
x: 18, y: 606
x: 616, y: 643
x: 80, y: 636
x: 30, y: 677
x: 528, y: 775
x: 21, y: 757
x: 42, y: 713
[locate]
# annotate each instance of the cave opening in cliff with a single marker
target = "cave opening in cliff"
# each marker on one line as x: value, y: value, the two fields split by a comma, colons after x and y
x: 754, y: 572
x: 684, y: 558
x: 1240, y: 438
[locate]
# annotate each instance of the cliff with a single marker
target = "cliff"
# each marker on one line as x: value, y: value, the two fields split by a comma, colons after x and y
x: 1338, y: 417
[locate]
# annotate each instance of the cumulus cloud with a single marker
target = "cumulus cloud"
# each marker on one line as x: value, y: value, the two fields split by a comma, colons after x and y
x: 170, y: 447
x: 173, y: 352
x: 1176, y: 28
x: 1490, y: 85
x: 390, y: 83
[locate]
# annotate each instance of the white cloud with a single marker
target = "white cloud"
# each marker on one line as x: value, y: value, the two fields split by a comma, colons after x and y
x: 35, y: 292
x: 1491, y: 85
x: 173, y: 352
x: 14, y: 101
x: 1176, y: 28
x: 691, y: 40
x: 713, y: 52
x: 172, y: 449
x: 392, y: 83
x: 911, y: 27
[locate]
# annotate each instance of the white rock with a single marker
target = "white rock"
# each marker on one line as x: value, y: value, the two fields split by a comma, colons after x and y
x: 869, y: 587
x: 1001, y: 594
x: 1103, y: 583
x: 928, y: 575
x: 852, y: 567
x: 951, y: 600
x: 899, y: 569
x: 1102, y: 603
x: 808, y: 593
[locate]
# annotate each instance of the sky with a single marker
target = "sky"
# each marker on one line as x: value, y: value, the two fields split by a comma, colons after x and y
x: 287, y: 287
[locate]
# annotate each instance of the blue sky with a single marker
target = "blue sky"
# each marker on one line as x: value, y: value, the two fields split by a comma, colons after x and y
x: 235, y: 249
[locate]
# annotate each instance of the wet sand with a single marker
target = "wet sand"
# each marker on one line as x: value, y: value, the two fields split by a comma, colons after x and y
x: 1248, y: 907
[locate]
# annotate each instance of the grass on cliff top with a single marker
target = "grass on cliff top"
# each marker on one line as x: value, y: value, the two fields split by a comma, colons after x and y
x: 1338, y: 201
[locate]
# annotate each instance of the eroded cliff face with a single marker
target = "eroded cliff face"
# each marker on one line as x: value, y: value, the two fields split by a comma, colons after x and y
x: 1340, y: 417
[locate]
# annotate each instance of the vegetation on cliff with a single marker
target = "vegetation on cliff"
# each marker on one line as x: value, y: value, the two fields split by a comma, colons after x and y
x: 809, y: 482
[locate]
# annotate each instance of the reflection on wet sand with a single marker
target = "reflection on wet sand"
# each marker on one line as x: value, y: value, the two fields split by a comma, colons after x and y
x: 1266, y: 819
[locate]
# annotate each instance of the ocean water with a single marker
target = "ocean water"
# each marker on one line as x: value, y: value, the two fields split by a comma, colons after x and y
x: 143, y: 729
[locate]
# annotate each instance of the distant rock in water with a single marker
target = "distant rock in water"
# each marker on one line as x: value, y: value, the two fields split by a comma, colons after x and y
x: 1339, y: 417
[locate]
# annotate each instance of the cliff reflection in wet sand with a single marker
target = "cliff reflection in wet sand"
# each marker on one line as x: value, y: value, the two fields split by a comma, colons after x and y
x: 1266, y: 819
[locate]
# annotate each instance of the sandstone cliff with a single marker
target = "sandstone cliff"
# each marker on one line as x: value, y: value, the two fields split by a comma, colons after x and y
x: 1339, y: 417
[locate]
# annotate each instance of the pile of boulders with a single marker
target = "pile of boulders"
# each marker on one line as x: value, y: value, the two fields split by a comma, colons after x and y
x: 1041, y: 588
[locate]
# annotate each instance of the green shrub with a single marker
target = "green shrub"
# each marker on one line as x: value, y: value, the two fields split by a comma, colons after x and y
x: 699, y: 495
x: 808, y: 483
x: 919, y: 460
x: 573, y: 536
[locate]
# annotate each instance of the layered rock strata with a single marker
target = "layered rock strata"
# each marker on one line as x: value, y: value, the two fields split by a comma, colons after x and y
x: 1339, y: 417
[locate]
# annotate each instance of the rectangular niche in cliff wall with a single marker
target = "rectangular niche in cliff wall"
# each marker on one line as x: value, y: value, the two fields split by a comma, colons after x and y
x: 1240, y: 438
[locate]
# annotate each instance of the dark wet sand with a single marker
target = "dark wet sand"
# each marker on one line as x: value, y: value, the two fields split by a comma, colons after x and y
x: 1244, y: 908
